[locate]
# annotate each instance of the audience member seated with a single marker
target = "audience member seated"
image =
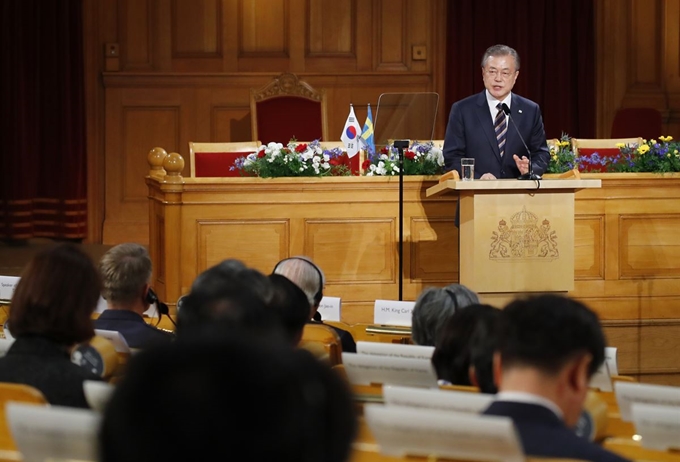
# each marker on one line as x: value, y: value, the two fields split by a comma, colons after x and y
x: 290, y: 304
x: 126, y: 275
x: 233, y: 296
x: 434, y: 307
x: 309, y: 277
x: 548, y: 349
x: 50, y: 313
x: 464, y: 351
x: 215, y: 398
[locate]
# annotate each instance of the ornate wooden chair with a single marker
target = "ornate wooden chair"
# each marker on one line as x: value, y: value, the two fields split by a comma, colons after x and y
x: 216, y: 159
x: 288, y: 108
x: 323, y: 342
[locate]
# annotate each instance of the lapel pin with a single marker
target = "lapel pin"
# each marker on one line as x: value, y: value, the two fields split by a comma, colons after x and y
x: 520, y: 111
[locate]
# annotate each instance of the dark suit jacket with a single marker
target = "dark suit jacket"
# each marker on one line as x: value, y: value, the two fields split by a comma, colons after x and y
x: 45, y: 365
x: 132, y: 326
x: 348, y: 343
x: 543, y: 434
x: 470, y: 133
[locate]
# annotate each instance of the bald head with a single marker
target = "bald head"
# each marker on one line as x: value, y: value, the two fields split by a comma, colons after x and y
x: 306, y: 275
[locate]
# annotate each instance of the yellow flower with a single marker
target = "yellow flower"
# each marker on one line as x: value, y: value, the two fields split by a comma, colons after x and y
x: 652, y: 142
x: 643, y: 149
x: 668, y: 155
x: 676, y: 153
x: 666, y: 138
x: 564, y: 143
x: 620, y: 145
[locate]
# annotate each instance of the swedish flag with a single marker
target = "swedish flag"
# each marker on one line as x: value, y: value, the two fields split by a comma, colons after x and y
x: 367, y: 133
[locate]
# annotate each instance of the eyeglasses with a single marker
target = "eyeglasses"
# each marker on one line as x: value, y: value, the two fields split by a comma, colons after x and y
x: 505, y: 74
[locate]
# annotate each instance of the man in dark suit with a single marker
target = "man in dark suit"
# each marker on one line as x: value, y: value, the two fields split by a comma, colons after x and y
x: 126, y: 273
x: 548, y: 349
x: 478, y: 127
x: 309, y: 277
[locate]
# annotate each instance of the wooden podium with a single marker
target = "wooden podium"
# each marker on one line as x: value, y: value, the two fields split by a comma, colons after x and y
x: 514, y: 237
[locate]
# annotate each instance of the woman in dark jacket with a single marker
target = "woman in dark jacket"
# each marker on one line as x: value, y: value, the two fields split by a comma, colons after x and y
x: 50, y: 313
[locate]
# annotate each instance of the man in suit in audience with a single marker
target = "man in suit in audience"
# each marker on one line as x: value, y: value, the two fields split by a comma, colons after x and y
x: 309, y: 277
x: 549, y: 347
x: 126, y: 275
x: 479, y: 128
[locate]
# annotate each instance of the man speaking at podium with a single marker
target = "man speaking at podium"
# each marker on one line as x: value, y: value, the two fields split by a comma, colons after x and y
x: 500, y: 130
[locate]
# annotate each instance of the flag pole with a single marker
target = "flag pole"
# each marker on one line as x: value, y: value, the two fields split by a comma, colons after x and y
x: 401, y: 145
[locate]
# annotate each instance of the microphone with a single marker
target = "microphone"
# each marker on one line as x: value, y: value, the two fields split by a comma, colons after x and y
x: 530, y: 175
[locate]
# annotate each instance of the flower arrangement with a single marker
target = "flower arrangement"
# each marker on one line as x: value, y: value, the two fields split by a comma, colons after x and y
x: 294, y: 159
x: 419, y: 159
x: 651, y: 156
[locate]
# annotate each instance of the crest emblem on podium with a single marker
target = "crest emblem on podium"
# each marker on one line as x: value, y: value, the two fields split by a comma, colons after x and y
x: 524, y: 239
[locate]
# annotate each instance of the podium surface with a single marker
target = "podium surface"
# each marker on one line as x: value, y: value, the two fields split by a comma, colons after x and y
x: 516, y: 236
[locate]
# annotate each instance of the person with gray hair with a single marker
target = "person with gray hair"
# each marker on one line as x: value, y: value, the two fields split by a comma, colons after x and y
x: 434, y: 307
x: 308, y: 276
x: 479, y: 125
x: 126, y: 276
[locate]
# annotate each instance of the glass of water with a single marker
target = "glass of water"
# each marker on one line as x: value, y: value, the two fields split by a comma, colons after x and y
x: 468, y: 167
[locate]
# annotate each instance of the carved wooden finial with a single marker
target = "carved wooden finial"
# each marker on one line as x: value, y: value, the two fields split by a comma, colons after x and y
x: 156, y: 157
x: 173, y: 165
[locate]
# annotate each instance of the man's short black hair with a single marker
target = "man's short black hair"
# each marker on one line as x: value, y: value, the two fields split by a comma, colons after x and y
x: 290, y: 304
x: 219, y: 397
x: 547, y: 331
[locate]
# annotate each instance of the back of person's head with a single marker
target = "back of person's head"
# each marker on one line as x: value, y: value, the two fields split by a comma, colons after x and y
x: 56, y: 296
x: 464, y: 351
x: 434, y: 307
x: 125, y: 270
x: 547, y: 331
x: 306, y: 275
x: 229, y: 293
x: 290, y: 304
x: 218, y: 399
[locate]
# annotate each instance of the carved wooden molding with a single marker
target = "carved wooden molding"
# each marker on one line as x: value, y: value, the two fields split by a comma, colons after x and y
x: 288, y: 84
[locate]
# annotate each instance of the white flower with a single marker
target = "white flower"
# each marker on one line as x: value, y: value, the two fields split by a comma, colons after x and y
x: 383, y: 157
x: 381, y: 164
x: 302, y: 169
x: 326, y: 157
x: 369, y: 174
x: 395, y: 167
x: 326, y: 165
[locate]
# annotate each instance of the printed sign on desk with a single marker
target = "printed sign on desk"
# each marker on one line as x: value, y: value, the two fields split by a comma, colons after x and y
x: 402, y: 431
x: 602, y: 379
x: 397, y: 350
x: 7, y: 286
x: 393, y: 312
x: 628, y: 393
x: 443, y: 400
x: 659, y: 426
x: 329, y: 308
x: 368, y: 369
x: 610, y: 359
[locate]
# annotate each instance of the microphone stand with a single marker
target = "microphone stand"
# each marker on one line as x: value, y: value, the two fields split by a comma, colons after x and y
x: 530, y: 175
x: 401, y: 145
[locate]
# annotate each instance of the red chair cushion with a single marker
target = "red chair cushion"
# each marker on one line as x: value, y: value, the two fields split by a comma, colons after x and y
x: 587, y: 153
x: 285, y: 117
x: 216, y: 164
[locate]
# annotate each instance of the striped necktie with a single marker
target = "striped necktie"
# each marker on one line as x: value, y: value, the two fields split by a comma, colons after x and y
x: 501, y: 128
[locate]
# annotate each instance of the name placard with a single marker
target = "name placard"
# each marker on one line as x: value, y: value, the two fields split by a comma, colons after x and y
x: 5, y: 343
x: 369, y: 369
x: 329, y: 308
x: 402, y: 431
x: 393, y: 312
x: 397, y: 350
x: 628, y: 393
x: 443, y: 400
x: 610, y: 359
x: 115, y: 337
x: 54, y: 432
x: 97, y: 394
x: 659, y: 426
x: 602, y: 379
x: 7, y: 286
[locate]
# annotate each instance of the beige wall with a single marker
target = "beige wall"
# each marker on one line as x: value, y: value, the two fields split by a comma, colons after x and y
x: 184, y: 68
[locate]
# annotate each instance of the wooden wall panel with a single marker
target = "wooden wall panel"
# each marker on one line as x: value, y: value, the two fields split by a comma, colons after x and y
x: 331, y: 26
x: 220, y: 239
x: 649, y: 246
x: 197, y: 27
x: 328, y: 243
x: 263, y: 28
x: 392, y: 27
x: 230, y: 123
x: 645, y: 66
x: 589, y: 247
x: 135, y: 34
x: 432, y: 237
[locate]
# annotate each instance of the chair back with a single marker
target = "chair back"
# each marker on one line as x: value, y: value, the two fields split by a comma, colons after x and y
x: 605, y: 147
x: 323, y: 341
x: 288, y: 108
x: 644, y: 122
x: 20, y: 393
x: 216, y: 159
